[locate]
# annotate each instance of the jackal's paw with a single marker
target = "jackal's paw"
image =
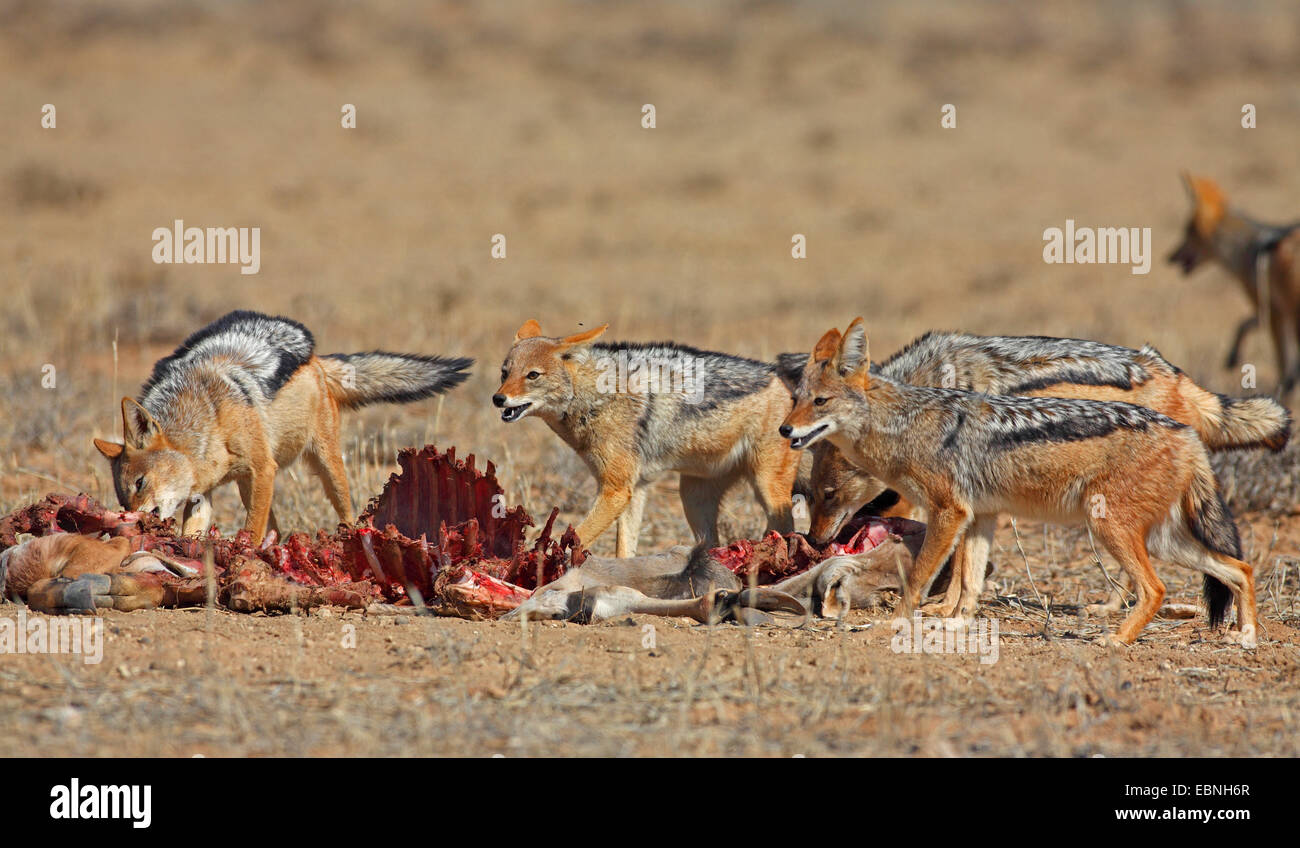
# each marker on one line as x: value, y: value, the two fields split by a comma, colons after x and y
x: 1245, y: 638
x: 938, y: 609
x: 1110, y: 640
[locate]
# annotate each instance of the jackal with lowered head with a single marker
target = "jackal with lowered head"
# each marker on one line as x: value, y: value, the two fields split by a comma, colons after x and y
x: 242, y: 398
x: 1041, y: 366
x: 1139, y: 480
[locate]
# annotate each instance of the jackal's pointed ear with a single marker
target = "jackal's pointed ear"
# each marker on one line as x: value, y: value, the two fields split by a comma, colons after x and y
x: 827, y: 346
x: 530, y: 330
x: 138, y: 426
x: 854, y: 355
x: 1189, y: 183
x: 584, y: 338
x: 110, y: 450
x: 1209, y: 203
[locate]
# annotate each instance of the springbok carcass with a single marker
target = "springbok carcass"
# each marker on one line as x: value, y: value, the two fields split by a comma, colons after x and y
x: 701, y: 583
x: 436, y: 540
x: 75, y: 573
x: 70, y: 554
x: 678, y: 582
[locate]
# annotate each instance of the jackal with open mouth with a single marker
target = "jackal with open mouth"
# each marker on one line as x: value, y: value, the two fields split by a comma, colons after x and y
x: 634, y: 412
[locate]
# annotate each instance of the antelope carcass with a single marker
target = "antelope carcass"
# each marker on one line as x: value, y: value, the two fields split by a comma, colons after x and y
x: 696, y: 583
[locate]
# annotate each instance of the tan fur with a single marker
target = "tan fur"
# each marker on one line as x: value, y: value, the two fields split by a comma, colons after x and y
x: 840, y: 489
x: 713, y: 450
x: 1149, y: 479
x: 39, y: 570
x: 240, y: 444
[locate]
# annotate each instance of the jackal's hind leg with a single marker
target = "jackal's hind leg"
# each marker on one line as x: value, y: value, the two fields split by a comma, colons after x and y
x: 328, y: 466
x: 1182, y: 548
x: 1128, y: 547
x: 701, y: 500
x: 1114, y: 602
x: 628, y: 525
x: 1279, y: 325
x: 1234, y: 352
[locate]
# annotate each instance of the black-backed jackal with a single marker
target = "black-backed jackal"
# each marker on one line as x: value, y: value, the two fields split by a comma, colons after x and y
x: 1139, y: 480
x: 1264, y: 258
x: 242, y: 398
x: 1039, y: 366
x: 634, y: 412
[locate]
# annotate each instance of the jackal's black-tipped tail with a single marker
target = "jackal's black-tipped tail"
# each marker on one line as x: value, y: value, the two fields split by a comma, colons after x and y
x: 358, y: 379
x: 1218, y: 600
x: 1228, y: 422
x: 1210, y: 521
x: 789, y: 368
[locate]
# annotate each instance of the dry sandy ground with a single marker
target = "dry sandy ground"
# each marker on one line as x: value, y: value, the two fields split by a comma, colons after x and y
x: 819, y: 118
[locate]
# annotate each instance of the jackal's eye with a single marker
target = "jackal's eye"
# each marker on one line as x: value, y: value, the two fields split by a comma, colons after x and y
x: 821, y: 401
x: 532, y: 375
x: 504, y: 374
x: 828, y: 495
x: 139, y: 485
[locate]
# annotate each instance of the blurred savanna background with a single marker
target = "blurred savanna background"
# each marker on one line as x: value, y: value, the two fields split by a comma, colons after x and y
x: 525, y: 119
x: 819, y: 118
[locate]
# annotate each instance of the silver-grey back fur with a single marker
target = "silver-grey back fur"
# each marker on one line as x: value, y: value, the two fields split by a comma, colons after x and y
x: 1015, y: 364
x: 250, y: 354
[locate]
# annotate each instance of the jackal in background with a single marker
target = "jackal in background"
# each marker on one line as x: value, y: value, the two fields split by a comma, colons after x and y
x: 1139, y: 480
x: 717, y: 428
x: 1264, y: 258
x: 242, y: 398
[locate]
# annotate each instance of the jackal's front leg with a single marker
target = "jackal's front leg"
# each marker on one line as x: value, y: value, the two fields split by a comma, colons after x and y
x: 197, y: 517
x: 259, y: 508
x: 611, y: 500
x: 956, y: 585
x: 946, y: 524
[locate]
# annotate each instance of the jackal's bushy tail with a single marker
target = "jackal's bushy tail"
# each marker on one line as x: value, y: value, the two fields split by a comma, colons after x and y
x: 1228, y: 422
x: 1210, y: 521
x: 358, y: 379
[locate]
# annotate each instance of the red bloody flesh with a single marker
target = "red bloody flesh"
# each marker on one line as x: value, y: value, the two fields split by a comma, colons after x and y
x: 439, y: 527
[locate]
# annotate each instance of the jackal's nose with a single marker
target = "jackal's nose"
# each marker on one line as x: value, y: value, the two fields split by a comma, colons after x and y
x: 498, y: 399
x: 786, y: 430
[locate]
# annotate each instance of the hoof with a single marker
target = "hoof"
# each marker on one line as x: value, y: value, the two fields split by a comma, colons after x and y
x: 81, y: 594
